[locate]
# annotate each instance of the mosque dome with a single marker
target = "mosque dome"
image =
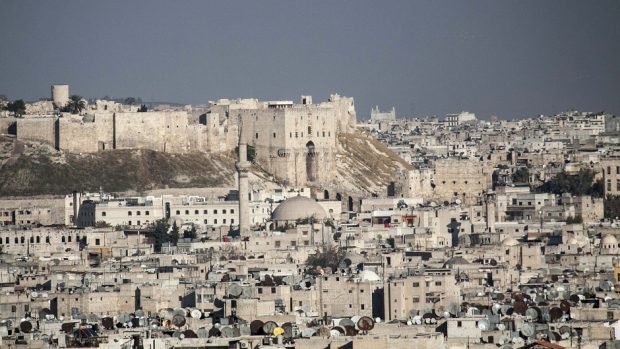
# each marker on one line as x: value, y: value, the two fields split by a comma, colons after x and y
x: 458, y: 260
x: 298, y: 207
x: 510, y: 241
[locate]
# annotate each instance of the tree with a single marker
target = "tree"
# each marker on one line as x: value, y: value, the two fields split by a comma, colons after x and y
x: 102, y: 224
x: 75, y: 105
x: 174, y: 233
x: 190, y: 234
x: 612, y: 206
x: 581, y: 183
x: 143, y: 109
x: 401, y: 204
x: 130, y: 101
x: 328, y: 257
x: 159, y: 233
x: 521, y: 175
x: 17, y: 107
x: 574, y: 220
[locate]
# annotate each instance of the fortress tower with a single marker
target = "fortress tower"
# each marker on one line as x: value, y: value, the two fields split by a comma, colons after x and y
x: 60, y: 95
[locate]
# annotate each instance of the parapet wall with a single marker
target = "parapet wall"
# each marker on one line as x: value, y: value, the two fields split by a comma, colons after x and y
x: 36, y: 129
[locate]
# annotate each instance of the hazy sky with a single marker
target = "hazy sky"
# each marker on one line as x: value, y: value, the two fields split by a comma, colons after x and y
x: 505, y: 58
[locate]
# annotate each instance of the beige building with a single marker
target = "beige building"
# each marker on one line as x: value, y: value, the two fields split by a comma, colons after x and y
x: 611, y: 176
x: 426, y: 290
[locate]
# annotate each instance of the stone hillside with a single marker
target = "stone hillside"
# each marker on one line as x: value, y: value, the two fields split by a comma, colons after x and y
x: 34, y: 169
x: 366, y: 165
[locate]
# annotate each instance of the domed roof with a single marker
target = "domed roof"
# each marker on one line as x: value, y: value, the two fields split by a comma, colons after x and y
x: 510, y: 241
x: 458, y: 260
x: 298, y: 207
x: 572, y: 241
x: 609, y: 240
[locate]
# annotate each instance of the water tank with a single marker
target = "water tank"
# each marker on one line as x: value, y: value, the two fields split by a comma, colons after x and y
x: 60, y: 95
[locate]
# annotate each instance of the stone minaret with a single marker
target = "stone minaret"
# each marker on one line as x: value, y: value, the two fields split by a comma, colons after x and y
x: 490, y: 203
x: 243, y: 167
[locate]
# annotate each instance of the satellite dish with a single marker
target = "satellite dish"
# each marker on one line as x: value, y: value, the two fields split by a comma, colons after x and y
x: 256, y: 328
x: 417, y: 320
x: 484, y: 325
x: 346, y: 322
x: 202, y: 332
x: 365, y: 324
x: 269, y: 326
x: 195, y: 313
x: 495, y: 308
x: 227, y: 332
x: 234, y: 290
x: 555, y: 314
x: 527, y: 330
x: 532, y: 313
x: 180, y: 312
x: 178, y: 320
x: 25, y: 326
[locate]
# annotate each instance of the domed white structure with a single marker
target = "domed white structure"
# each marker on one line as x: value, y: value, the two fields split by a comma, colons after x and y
x: 298, y: 207
x: 510, y: 241
x: 609, y: 244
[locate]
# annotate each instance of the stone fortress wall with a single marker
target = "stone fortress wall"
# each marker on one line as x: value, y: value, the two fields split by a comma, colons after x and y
x: 295, y: 142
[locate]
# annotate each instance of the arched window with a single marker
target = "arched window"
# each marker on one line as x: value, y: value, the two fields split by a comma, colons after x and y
x: 38, y: 239
x: 62, y: 239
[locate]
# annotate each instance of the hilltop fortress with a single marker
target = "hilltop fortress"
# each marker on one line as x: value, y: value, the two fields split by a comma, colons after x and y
x: 297, y: 143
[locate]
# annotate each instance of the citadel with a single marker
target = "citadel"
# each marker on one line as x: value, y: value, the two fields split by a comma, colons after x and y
x: 416, y: 232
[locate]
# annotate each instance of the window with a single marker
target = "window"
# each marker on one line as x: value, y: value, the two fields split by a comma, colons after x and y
x: 273, y: 290
x: 459, y: 324
x: 309, y: 130
x: 178, y: 212
x: 274, y: 135
x: 137, y: 213
x: 205, y: 221
x: 224, y: 221
x: 196, y: 211
x: 204, y: 212
x: 215, y: 221
x: 232, y: 221
x: 232, y: 211
x: 260, y: 290
x: 214, y: 211
x: 256, y: 135
x: 146, y: 213
x: 296, y: 135
x: 129, y: 213
x: 129, y: 223
x: 103, y: 214
x: 223, y: 211
x: 416, y: 284
x: 277, y: 243
x: 437, y: 283
x: 416, y: 299
x: 186, y: 211
x: 97, y: 242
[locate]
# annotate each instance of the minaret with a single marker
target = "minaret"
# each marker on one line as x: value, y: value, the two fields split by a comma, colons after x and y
x: 490, y: 205
x: 243, y: 166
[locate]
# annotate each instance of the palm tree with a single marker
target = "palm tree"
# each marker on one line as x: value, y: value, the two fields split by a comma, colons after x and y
x: 76, y: 104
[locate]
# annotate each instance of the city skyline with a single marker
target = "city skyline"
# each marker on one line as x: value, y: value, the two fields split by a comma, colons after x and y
x: 507, y: 59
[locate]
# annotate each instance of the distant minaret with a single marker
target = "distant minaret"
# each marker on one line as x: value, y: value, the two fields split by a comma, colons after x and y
x: 243, y: 166
x: 490, y: 206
